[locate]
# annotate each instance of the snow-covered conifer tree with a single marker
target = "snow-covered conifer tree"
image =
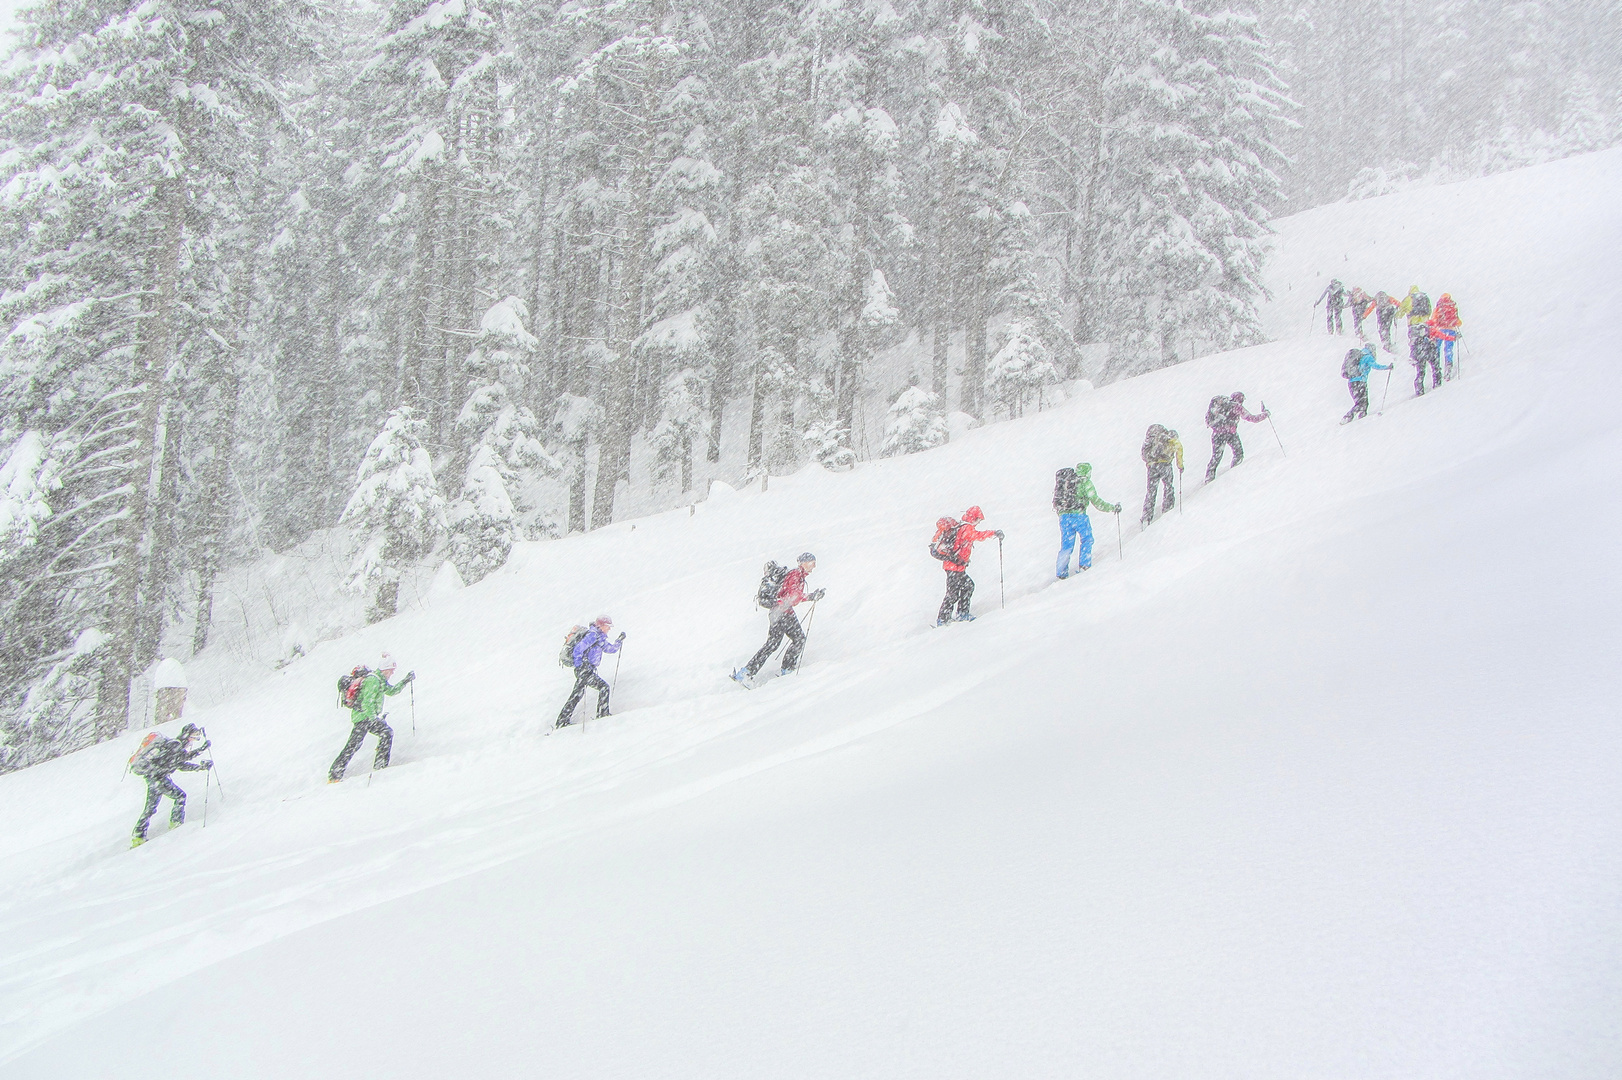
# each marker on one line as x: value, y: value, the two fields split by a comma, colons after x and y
x: 396, y: 513
x: 916, y: 421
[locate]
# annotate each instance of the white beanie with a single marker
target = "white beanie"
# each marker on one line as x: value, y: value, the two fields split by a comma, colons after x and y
x: 386, y: 663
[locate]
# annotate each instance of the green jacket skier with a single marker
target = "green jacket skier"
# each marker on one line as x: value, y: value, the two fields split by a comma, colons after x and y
x: 366, y: 717
x: 1072, y: 494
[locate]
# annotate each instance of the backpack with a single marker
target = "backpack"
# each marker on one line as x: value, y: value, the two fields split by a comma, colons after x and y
x: 1156, y: 444
x: 1064, y: 491
x: 771, y: 580
x: 570, y: 640
x: 1219, y: 411
x: 944, y: 546
x: 1421, y: 308
x: 141, y: 760
x: 1352, y: 366
x: 349, y: 687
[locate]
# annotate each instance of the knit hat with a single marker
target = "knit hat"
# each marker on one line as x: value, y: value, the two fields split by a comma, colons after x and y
x: 386, y: 663
x: 1237, y: 396
x: 602, y: 620
x: 806, y: 556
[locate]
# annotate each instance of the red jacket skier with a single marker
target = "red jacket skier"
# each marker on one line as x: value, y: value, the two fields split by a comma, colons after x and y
x: 954, y: 551
x: 783, y: 622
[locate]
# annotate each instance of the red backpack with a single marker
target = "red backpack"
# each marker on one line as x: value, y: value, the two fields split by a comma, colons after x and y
x: 944, y: 546
x: 349, y: 687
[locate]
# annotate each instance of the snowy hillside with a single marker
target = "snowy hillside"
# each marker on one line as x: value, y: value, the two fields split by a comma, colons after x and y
x: 1319, y: 780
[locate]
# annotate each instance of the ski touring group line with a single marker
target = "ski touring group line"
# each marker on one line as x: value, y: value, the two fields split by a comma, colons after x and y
x: 1433, y: 334
x: 363, y: 691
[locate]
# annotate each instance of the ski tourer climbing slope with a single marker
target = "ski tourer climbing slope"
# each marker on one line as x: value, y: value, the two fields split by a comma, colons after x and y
x: 1386, y: 308
x: 1355, y: 370
x: 781, y: 621
x: 1362, y: 305
x: 1161, y: 450
x: 587, y: 654
x: 1075, y: 527
x: 1222, y: 416
x: 159, y: 758
x: 1335, y: 293
x: 1443, y: 328
x: 365, y: 718
x: 954, y: 546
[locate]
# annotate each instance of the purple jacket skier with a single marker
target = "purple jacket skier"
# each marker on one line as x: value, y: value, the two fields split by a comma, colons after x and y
x: 588, y: 653
x: 1223, y: 417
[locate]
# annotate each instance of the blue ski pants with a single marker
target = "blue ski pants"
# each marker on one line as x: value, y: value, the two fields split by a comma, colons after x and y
x: 1075, y: 531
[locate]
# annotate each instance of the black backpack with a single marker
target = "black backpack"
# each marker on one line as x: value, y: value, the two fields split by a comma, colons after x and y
x: 349, y: 687
x: 570, y: 640
x: 1422, y: 306
x: 771, y: 580
x: 1064, y: 491
x: 1156, y: 444
x: 1352, y: 366
x: 1220, y: 411
x: 944, y: 546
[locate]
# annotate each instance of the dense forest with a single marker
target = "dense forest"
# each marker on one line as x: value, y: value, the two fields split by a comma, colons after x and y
x: 439, y: 273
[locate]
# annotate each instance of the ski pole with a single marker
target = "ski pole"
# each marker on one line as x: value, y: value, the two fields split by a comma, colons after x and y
x: 212, y: 771
x: 413, y: 708
x: 1002, y: 590
x: 1381, y: 410
x: 1120, y: 549
x: 1179, y: 492
x: 1274, y: 426
x: 615, y: 681
x: 205, y: 798
x: 809, y: 619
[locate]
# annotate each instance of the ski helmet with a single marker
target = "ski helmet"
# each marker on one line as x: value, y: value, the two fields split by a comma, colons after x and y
x: 806, y: 556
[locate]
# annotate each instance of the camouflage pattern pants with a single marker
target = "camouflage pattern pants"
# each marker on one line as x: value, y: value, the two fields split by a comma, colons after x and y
x: 157, y: 788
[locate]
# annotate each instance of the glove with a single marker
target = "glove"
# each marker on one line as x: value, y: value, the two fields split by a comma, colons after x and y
x: 999, y: 534
x: 620, y: 638
x: 411, y: 676
x: 206, y: 764
x: 1117, y: 509
x: 818, y: 595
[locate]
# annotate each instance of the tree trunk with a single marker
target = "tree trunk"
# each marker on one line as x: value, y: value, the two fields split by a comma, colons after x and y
x: 151, y: 363
x: 974, y: 368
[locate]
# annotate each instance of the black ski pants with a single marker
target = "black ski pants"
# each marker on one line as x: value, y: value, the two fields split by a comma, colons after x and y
x: 1332, y: 318
x: 156, y: 788
x: 1160, y: 472
x: 1360, y: 399
x: 1218, y: 441
x: 585, y: 675
x: 787, y: 625
x: 357, y: 735
x: 1423, y: 351
x: 959, y: 591
x: 1386, y: 317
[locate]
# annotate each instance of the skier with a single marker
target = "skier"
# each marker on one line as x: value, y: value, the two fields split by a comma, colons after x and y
x: 1335, y: 293
x: 1161, y: 449
x: 1222, y: 417
x: 782, y: 622
x: 588, y: 653
x: 158, y: 757
x: 954, y: 544
x: 1385, y: 313
x: 1355, y: 369
x: 1072, y: 494
x: 1443, y: 329
x: 365, y: 718
x: 1361, y: 304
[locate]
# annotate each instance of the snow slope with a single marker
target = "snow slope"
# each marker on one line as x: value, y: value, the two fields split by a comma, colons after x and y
x: 1321, y: 779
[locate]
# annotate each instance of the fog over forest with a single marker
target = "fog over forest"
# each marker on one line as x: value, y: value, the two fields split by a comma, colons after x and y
x: 447, y: 276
